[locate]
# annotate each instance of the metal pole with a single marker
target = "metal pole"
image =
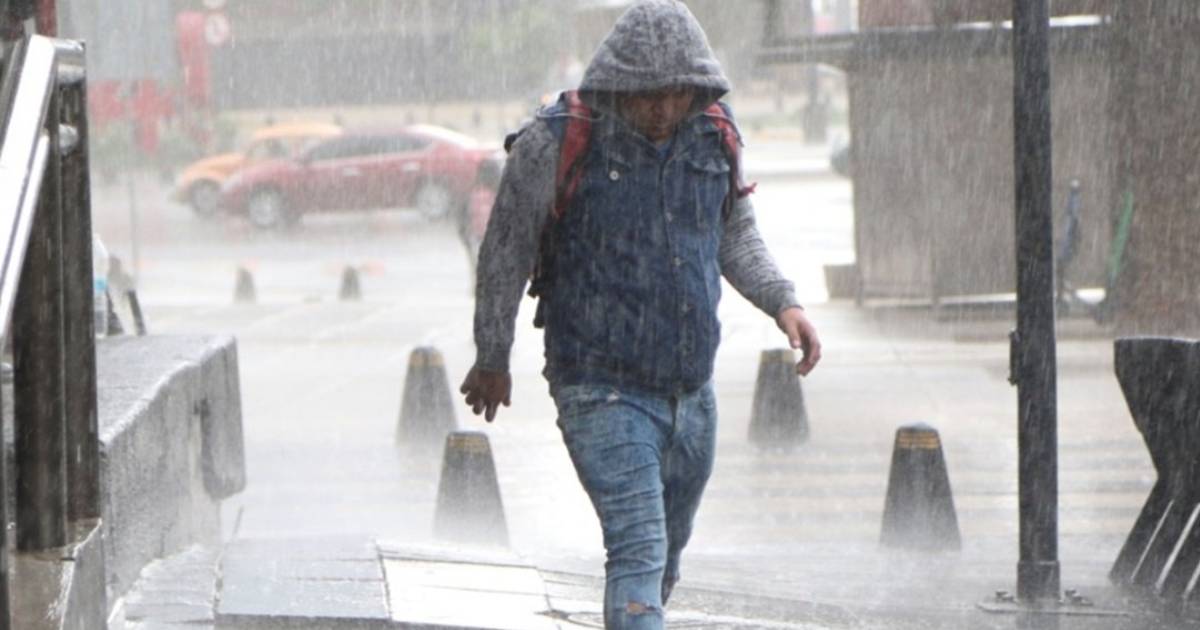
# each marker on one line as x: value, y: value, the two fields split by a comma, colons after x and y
x: 1034, y: 342
x: 5, y: 617
x: 498, y: 65
x: 131, y: 192
x: 427, y: 54
x: 38, y: 369
x: 773, y: 29
x: 83, y: 437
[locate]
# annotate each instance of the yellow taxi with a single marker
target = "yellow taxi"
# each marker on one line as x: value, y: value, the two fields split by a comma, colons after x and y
x: 199, y: 184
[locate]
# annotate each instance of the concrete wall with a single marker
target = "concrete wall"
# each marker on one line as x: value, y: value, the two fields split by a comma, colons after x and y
x: 1160, y: 285
x: 934, y: 188
x: 171, y: 449
x: 171, y: 433
x: 890, y: 13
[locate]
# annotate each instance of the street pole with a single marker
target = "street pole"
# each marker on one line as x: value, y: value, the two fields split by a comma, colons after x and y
x: 1033, y: 348
x: 427, y: 55
x: 498, y: 64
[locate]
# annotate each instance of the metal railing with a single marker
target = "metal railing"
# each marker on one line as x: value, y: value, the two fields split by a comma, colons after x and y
x: 46, y: 298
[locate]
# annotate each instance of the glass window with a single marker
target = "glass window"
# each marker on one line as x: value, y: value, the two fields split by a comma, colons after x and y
x: 341, y: 148
x: 404, y: 143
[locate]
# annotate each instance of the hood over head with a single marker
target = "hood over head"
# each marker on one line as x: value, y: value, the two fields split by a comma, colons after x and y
x: 655, y: 44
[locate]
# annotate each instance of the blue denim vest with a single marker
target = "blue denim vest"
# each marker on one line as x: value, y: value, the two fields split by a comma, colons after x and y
x: 632, y: 293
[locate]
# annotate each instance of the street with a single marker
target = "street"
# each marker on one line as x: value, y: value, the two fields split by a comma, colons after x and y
x: 321, y: 383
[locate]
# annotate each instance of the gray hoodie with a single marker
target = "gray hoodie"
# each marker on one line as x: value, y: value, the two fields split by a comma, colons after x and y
x: 655, y: 44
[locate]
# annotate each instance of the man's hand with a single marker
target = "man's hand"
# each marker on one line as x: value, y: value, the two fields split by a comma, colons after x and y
x: 486, y: 391
x: 801, y: 335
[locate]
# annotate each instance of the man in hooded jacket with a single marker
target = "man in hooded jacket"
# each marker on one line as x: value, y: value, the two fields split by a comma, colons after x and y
x: 629, y: 303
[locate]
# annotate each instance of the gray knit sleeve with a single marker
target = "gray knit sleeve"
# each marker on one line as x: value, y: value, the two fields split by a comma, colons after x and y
x: 510, y: 245
x: 749, y: 267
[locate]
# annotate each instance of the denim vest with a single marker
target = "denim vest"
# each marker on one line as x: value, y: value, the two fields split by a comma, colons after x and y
x: 631, y: 297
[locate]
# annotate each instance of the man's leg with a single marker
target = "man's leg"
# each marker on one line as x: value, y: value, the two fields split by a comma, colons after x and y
x: 616, y: 441
x: 686, y: 468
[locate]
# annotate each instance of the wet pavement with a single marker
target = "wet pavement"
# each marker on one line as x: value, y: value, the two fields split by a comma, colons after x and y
x: 336, y: 519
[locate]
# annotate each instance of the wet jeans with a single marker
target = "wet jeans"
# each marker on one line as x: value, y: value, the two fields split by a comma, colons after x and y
x: 644, y: 461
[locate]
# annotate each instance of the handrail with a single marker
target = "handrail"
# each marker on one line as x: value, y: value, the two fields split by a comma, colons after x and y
x: 46, y: 299
x: 32, y: 69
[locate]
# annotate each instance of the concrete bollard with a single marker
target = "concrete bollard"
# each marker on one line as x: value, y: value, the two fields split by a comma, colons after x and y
x: 778, y: 417
x: 243, y: 290
x: 427, y: 409
x: 841, y: 281
x: 919, y: 510
x: 469, y: 509
x: 351, y: 288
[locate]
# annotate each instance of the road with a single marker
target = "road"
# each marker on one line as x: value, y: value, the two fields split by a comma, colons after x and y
x: 322, y: 380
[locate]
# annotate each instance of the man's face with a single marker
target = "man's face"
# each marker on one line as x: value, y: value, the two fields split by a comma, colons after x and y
x: 656, y: 114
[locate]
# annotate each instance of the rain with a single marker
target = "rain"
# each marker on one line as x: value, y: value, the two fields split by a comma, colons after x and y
x: 987, y: 210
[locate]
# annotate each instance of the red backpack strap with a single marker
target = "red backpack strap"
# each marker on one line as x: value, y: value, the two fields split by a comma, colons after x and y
x: 576, y: 136
x: 731, y: 143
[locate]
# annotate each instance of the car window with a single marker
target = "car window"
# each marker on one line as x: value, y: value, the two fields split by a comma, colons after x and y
x: 343, y: 147
x: 269, y: 149
x: 362, y: 146
x: 404, y: 143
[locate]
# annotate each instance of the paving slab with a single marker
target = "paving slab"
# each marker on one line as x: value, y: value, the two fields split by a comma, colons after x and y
x: 305, y: 583
x: 174, y: 592
x: 464, y: 587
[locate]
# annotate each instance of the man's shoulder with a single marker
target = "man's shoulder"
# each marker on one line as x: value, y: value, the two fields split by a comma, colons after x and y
x: 535, y: 135
x: 720, y: 114
x: 551, y: 122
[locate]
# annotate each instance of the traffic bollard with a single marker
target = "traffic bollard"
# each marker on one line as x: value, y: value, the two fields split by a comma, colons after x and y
x: 426, y: 410
x: 351, y: 287
x: 469, y: 509
x: 919, y: 510
x: 778, y: 417
x: 244, y: 291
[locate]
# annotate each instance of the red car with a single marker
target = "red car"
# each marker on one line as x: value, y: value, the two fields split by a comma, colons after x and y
x: 428, y: 168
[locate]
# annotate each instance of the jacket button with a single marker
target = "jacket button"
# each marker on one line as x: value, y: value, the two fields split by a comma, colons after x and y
x: 678, y: 261
x: 684, y: 309
x: 670, y: 217
x: 613, y: 175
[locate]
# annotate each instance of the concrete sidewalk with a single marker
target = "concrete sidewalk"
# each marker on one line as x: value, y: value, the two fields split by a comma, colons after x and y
x: 361, y: 583
x: 334, y: 583
x: 785, y: 539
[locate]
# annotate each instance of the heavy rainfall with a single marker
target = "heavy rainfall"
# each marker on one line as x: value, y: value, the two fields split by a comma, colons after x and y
x: 987, y: 210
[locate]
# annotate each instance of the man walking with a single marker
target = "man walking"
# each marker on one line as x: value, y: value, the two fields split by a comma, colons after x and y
x: 624, y: 202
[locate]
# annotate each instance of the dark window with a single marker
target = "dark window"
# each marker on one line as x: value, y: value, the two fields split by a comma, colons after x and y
x: 343, y: 147
x: 404, y: 143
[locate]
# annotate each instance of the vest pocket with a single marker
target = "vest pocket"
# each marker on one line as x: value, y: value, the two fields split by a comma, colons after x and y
x: 712, y: 164
x: 709, y: 180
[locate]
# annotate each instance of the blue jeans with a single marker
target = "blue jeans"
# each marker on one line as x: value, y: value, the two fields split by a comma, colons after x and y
x: 644, y: 461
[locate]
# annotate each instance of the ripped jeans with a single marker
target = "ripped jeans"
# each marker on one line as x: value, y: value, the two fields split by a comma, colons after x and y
x: 644, y: 461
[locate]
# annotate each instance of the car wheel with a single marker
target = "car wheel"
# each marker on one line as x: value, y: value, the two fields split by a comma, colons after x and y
x: 434, y: 201
x: 266, y: 210
x: 204, y: 197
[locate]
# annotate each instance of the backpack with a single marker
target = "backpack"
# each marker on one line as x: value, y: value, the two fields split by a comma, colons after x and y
x: 572, y: 150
